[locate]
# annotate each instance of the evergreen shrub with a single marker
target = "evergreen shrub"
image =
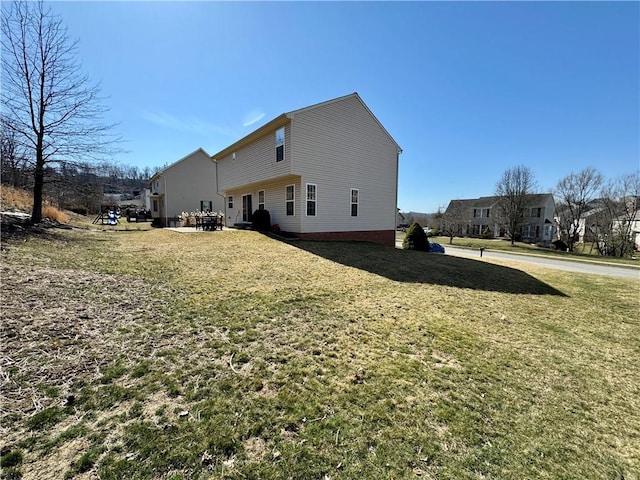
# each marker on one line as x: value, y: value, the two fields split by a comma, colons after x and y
x: 416, y: 239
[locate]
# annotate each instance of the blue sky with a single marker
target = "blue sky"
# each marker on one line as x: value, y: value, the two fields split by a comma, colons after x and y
x: 468, y: 90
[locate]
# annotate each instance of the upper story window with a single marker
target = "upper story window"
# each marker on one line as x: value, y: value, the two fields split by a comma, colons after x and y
x: 290, y: 199
x: 311, y: 199
x: 533, y: 212
x: 481, y: 212
x: 261, y: 200
x: 280, y: 144
x: 355, y: 197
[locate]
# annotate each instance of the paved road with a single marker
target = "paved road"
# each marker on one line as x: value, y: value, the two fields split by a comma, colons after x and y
x: 568, y: 265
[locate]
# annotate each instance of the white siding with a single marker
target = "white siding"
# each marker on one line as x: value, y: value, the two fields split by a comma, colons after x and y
x: 340, y: 146
x: 255, y: 163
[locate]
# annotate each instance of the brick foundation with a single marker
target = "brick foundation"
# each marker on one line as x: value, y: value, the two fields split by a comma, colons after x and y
x: 384, y: 237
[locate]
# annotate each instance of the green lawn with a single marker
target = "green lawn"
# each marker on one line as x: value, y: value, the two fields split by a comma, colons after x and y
x: 156, y: 354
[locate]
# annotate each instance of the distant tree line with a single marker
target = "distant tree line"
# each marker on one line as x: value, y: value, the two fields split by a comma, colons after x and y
x: 75, y: 185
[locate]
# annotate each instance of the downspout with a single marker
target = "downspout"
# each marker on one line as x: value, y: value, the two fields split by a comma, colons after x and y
x: 224, y: 198
x: 166, y: 221
x: 395, y: 210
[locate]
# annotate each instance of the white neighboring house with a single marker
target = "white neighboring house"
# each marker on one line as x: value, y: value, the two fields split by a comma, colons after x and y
x: 187, y: 185
x: 325, y: 172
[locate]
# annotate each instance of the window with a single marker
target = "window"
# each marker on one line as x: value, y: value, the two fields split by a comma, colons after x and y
x: 481, y: 212
x: 261, y: 200
x: 311, y: 199
x: 155, y: 205
x: 206, y: 205
x: 233, y: 156
x: 290, y: 199
x: 230, y: 201
x: 478, y: 229
x: 354, y: 202
x: 533, y: 212
x: 280, y: 144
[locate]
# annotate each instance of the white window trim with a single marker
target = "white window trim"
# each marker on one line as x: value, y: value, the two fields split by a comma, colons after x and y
x: 315, y: 200
x: 293, y: 200
x: 230, y: 201
x: 284, y: 141
x: 352, y: 203
x: 264, y: 199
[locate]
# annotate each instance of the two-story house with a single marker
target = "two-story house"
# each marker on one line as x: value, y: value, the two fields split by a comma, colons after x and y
x: 479, y: 217
x: 187, y: 185
x: 327, y: 171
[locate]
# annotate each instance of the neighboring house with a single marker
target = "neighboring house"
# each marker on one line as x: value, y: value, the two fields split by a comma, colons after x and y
x: 187, y: 185
x: 602, y: 218
x: 328, y: 171
x: 634, y: 230
x: 479, y: 217
x: 587, y: 223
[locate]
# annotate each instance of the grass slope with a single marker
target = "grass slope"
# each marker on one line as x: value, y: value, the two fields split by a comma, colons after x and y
x: 231, y: 355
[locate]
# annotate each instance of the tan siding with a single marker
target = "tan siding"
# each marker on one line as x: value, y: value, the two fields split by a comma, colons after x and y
x: 188, y: 182
x: 337, y: 146
x: 340, y: 146
x: 274, y: 203
x: 255, y: 163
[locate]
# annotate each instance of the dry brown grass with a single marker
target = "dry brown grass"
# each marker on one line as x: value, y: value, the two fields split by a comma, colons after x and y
x: 53, y: 213
x: 12, y: 198
x: 230, y: 355
x: 16, y: 199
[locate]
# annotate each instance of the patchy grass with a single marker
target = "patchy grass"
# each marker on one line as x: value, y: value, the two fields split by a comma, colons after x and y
x: 231, y: 355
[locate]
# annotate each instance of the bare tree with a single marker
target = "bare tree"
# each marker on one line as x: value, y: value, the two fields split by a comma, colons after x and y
x: 13, y: 161
x: 50, y: 105
x: 616, y: 221
x: 513, y: 191
x: 455, y: 219
x: 573, y: 195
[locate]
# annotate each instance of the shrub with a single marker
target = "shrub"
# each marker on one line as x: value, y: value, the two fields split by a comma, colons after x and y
x: 486, y: 233
x: 79, y: 210
x: 560, y: 245
x: 261, y: 220
x: 416, y: 239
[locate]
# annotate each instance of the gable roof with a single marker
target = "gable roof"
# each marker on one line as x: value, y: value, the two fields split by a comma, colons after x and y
x: 457, y: 206
x: 283, y: 119
x: 168, y: 167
